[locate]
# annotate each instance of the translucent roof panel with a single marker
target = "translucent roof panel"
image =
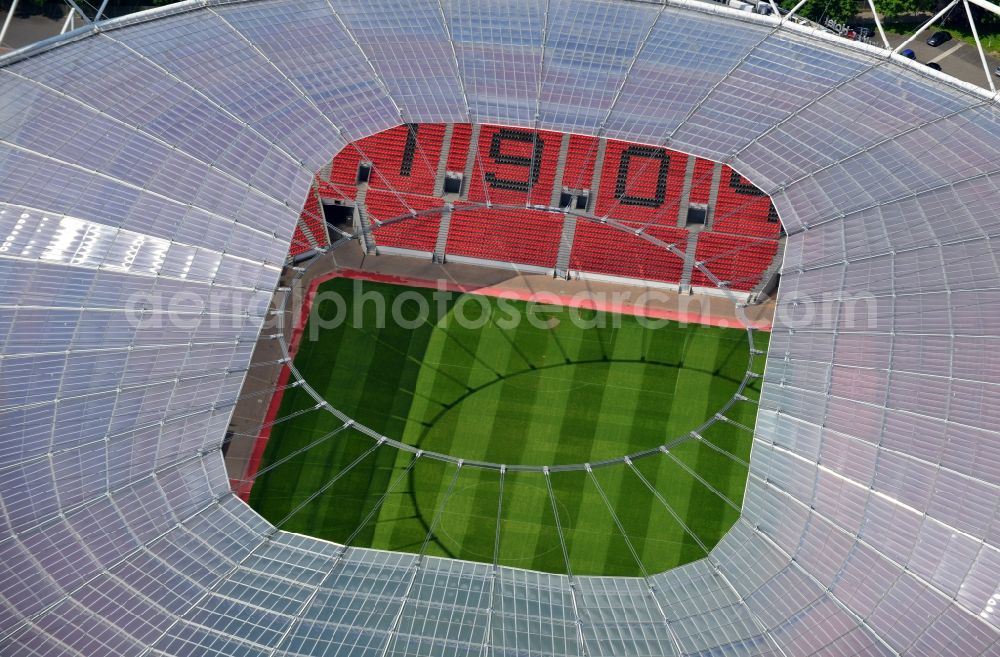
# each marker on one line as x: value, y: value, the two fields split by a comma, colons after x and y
x: 167, y: 155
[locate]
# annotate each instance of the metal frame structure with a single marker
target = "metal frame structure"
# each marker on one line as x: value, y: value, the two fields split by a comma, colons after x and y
x: 869, y: 523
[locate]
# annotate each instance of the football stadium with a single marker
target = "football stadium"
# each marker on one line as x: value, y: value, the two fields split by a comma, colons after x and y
x: 496, y: 327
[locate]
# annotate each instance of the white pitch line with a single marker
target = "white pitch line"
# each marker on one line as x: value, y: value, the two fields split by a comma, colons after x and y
x: 945, y: 53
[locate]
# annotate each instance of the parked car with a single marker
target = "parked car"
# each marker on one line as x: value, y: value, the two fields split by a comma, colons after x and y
x: 996, y: 71
x: 938, y: 38
x: 934, y: 65
x: 909, y: 53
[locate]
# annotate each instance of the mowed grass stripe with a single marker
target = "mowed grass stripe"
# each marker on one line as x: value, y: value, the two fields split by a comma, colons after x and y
x: 485, y: 353
x: 529, y: 538
x: 434, y: 390
x: 660, y: 522
x: 578, y: 436
x: 699, y: 506
x: 301, y: 477
x: 522, y: 350
x: 469, y: 521
x: 690, y: 407
x: 675, y: 488
x: 595, y: 551
x: 597, y: 545
x: 290, y: 483
x: 342, y: 362
x: 634, y: 505
x: 468, y: 428
x: 385, y: 399
x: 556, y: 391
x: 380, y: 382
x: 406, y: 517
x: 526, y: 495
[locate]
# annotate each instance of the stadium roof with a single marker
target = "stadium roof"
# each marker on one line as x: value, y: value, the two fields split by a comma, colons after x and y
x: 168, y: 153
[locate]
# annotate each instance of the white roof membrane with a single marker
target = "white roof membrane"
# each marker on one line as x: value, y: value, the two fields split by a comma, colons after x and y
x: 169, y: 153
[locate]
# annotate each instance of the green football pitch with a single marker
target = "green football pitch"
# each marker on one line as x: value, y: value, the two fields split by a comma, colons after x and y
x: 567, y: 386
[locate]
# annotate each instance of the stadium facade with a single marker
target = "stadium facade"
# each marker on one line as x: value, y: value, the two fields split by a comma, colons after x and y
x: 167, y: 155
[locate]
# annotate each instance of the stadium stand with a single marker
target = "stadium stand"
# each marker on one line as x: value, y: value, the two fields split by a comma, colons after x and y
x: 311, y: 221
x: 331, y: 190
x: 701, y: 182
x: 514, y: 166
x: 601, y: 249
x: 742, y: 209
x: 344, y: 171
x: 404, y: 158
x: 641, y: 186
x: 418, y: 234
x: 580, y: 159
x: 529, y: 237
x: 300, y: 243
x: 461, y: 138
x: 739, y: 261
x: 640, y: 183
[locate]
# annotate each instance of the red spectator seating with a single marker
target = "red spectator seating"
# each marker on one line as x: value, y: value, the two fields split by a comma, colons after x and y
x: 742, y: 209
x: 299, y: 243
x: 738, y: 261
x: 529, y: 237
x: 603, y: 249
x: 404, y: 158
x: 461, y: 137
x: 311, y: 220
x: 315, y: 222
x: 417, y: 233
x: 640, y: 180
x: 330, y: 190
x: 738, y: 249
x: 501, y: 182
x: 580, y: 158
x: 701, y: 181
x: 344, y: 171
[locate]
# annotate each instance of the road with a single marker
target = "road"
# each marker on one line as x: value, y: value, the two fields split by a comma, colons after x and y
x: 28, y: 30
x: 955, y: 58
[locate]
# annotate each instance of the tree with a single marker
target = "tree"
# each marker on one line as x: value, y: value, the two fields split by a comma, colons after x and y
x: 893, y: 8
x: 841, y: 11
x: 987, y: 22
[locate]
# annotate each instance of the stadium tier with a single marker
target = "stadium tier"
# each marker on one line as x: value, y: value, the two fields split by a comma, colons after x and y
x: 742, y: 209
x: 641, y: 183
x: 580, y: 159
x: 701, y: 181
x: 528, y: 237
x: 600, y: 249
x: 310, y: 232
x: 153, y: 171
x: 403, y: 158
x: 644, y: 187
x: 300, y: 243
x: 461, y: 138
x: 514, y: 166
x: 737, y: 261
x: 419, y: 233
